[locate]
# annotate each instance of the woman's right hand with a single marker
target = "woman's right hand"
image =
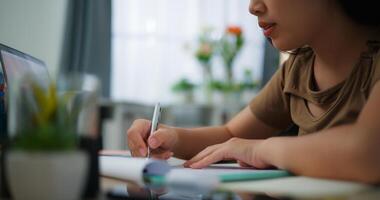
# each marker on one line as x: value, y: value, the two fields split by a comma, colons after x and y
x: 161, y: 142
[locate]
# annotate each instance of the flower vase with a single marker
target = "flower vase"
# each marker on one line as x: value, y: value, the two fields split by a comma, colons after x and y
x: 228, y: 66
x: 207, y: 79
x: 185, y: 97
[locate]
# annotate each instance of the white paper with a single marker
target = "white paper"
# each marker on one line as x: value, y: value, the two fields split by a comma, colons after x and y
x: 218, y: 170
x: 299, y: 187
x: 132, y: 169
x: 190, y: 181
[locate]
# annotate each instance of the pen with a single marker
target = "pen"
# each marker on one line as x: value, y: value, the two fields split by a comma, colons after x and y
x: 154, y: 125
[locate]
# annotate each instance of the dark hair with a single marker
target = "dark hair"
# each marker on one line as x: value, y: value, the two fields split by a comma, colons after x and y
x: 365, y: 12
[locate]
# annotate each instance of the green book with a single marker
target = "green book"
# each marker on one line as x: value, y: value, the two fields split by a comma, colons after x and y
x: 183, y: 175
x: 254, y: 175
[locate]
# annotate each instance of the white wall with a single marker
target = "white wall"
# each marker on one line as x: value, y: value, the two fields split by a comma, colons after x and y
x: 35, y: 27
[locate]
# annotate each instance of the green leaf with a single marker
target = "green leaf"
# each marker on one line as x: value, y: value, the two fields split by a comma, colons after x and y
x: 183, y: 85
x: 50, y: 127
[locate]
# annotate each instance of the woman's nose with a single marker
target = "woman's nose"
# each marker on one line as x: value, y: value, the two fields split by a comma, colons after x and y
x: 257, y: 7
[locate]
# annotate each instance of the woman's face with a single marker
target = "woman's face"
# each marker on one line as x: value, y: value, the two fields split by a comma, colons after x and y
x: 291, y: 24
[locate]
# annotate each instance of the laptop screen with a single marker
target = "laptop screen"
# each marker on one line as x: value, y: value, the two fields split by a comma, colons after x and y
x: 14, y: 64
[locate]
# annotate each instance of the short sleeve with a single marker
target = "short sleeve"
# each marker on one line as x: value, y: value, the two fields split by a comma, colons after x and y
x: 271, y: 105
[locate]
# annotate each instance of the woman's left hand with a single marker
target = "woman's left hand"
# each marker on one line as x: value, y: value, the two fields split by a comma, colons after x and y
x: 245, y: 151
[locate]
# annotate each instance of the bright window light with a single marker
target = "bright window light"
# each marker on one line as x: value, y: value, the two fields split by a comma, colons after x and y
x: 151, y: 39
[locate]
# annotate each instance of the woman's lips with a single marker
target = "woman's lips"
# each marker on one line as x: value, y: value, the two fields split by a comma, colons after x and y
x: 268, y: 28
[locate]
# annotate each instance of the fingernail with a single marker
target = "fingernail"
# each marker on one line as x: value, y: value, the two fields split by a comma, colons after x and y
x: 153, y: 142
x: 142, y: 151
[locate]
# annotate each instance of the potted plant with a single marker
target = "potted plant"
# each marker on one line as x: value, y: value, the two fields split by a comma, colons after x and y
x: 184, y: 90
x: 43, y: 161
x: 230, y: 45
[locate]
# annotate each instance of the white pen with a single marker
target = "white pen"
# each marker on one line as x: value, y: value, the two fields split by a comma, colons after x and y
x: 154, y: 125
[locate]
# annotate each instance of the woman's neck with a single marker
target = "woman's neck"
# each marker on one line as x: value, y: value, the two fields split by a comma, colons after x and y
x: 337, y: 49
x: 340, y: 47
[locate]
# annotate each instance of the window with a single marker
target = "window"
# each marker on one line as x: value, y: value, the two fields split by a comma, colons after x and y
x: 149, y: 39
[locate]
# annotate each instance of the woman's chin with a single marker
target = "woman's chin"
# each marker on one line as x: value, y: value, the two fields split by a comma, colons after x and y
x: 283, y: 45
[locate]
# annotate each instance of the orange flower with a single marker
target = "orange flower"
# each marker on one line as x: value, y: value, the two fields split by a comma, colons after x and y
x: 235, y: 30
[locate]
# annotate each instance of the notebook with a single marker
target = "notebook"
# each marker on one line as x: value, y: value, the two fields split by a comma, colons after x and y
x: 158, y: 172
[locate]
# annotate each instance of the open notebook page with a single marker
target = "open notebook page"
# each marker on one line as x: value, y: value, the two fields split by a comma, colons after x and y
x: 134, y: 169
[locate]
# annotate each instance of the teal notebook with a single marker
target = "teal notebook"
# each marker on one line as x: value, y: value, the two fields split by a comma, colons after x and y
x: 256, y: 175
x: 221, y: 173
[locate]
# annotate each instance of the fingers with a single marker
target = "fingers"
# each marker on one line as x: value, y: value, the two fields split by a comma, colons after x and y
x: 243, y: 164
x: 162, y: 138
x: 207, y: 160
x: 161, y: 154
x: 161, y: 142
x: 141, y: 127
x: 136, y: 135
x: 137, y: 146
x: 206, y: 152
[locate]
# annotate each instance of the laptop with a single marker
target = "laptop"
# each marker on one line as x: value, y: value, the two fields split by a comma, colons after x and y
x: 14, y: 64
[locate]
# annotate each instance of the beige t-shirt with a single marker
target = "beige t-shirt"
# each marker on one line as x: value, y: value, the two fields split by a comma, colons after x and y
x: 284, y: 99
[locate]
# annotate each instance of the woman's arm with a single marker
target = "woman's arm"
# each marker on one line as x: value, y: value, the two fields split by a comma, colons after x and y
x: 243, y: 125
x: 349, y: 152
x: 185, y: 143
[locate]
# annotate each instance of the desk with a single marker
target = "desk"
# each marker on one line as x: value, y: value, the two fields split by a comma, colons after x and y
x: 282, y: 188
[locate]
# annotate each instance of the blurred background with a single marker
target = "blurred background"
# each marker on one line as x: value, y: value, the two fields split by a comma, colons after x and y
x: 204, y: 60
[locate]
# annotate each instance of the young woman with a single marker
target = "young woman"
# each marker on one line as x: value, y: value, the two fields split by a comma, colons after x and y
x: 328, y: 87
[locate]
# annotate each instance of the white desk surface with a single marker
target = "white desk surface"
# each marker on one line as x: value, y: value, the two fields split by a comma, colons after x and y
x: 297, y: 186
